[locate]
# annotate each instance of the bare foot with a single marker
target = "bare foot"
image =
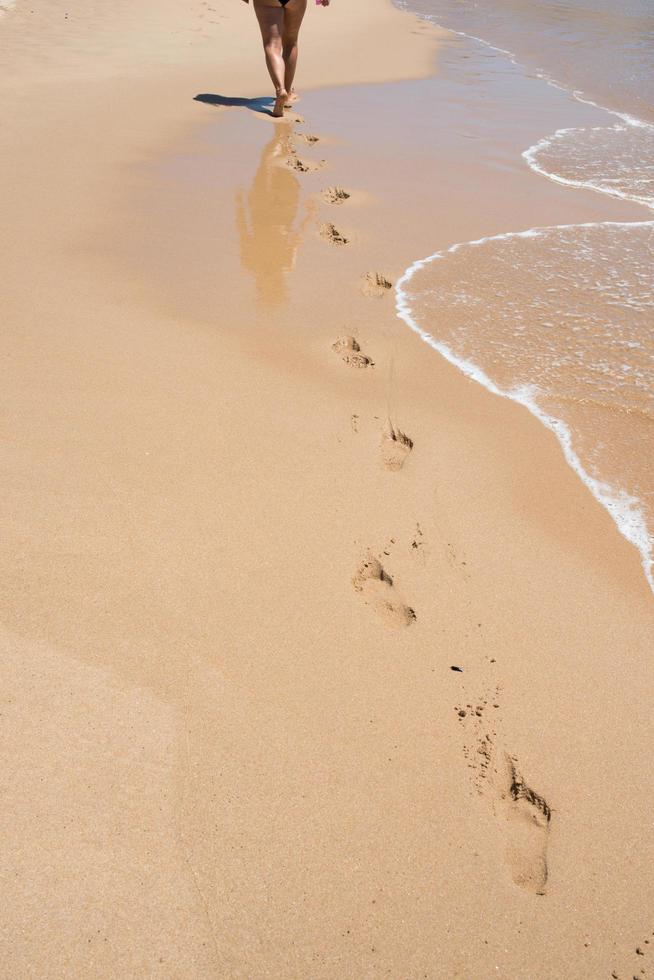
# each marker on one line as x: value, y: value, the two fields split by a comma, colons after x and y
x: 291, y: 98
x: 280, y: 102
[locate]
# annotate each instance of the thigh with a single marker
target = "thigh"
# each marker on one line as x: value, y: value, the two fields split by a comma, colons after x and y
x: 270, y: 15
x: 294, y: 12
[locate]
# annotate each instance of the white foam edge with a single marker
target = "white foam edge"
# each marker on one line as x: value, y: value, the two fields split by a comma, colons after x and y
x: 579, y: 96
x: 622, y: 507
x: 531, y: 153
x: 538, y: 73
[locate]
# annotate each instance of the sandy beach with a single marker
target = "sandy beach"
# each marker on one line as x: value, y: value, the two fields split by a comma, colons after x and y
x: 318, y: 659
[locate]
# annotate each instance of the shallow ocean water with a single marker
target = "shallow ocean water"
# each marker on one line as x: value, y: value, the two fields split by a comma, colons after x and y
x: 599, y: 48
x: 561, y: 318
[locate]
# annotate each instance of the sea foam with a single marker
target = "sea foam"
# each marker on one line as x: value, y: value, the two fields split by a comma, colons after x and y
x: 624, y: 508
x: 568, y: 156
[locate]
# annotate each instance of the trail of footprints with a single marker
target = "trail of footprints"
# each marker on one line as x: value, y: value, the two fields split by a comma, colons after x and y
x: 370, y: 580
x: 524, y: 813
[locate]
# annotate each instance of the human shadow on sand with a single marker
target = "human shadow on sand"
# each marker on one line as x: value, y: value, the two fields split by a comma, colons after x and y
x: 262, y: 105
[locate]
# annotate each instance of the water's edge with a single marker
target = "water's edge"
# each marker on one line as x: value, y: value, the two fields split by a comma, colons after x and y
x: 623, y: 508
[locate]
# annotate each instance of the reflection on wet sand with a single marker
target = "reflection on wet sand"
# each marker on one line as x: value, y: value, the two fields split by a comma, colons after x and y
x: 266, y: 220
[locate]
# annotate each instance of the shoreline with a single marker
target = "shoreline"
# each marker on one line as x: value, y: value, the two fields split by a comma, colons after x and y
x: 625, y: 509
x: 247, y: 748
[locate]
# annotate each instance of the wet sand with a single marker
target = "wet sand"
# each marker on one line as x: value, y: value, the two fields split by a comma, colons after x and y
x: 252, y: 524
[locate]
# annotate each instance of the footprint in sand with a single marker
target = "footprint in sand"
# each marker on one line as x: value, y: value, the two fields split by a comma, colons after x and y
x: 335, y: 195
x: 295, y: 163
x: 479, y: 724
x: 377, y: 588
x: 331, y: 234
x: 528, y: 818
x: 375, y: 284
x: 299, y: 165
x: 637, y: 970
x: 308, y: 138
x: 350, y: 353
x: 395, y: 447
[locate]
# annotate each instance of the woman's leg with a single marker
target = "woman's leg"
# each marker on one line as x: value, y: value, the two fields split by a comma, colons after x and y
x: 293, y: 15
x: 270, y: 15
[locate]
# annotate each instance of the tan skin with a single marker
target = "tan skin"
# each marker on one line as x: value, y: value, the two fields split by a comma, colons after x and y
x: 280, y: 27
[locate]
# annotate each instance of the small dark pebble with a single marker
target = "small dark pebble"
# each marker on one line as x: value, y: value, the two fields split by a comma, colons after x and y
x: 459, y: 670
x: 639, y: 951
x: 462, y: 713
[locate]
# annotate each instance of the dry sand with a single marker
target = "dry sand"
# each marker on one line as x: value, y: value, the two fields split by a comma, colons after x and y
x: 250, y: 526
